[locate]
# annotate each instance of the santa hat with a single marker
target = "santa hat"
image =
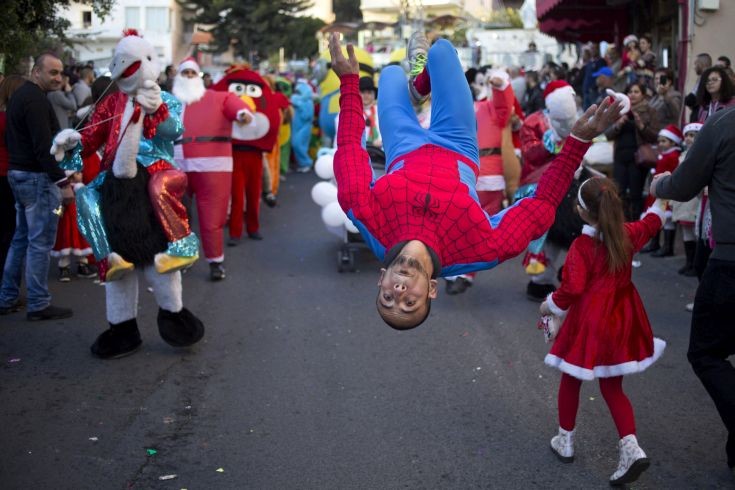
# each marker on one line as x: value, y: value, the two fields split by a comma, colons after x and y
x: 673, y: 133
x: 630, y: 38
x: 559, y: 98
x: 189, y: 64
x: 692, y: 128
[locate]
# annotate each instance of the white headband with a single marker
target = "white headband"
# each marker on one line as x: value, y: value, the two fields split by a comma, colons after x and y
x: 579, y: 195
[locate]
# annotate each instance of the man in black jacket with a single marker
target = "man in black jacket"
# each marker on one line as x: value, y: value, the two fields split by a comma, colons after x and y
x: 711, y: 162
x: 39, y: 187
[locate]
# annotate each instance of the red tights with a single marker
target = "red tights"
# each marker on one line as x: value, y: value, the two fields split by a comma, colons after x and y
x: 612, y: 391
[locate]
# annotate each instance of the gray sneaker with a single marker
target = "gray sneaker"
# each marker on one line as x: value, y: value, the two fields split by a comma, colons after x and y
x: 417, y: 53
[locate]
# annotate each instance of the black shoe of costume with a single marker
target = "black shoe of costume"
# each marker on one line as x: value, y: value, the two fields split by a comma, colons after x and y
x: 86, y: 271
x: 180, y: 329
x: 458, y: 286
x: 51, y: 312
x: 255, y: 236
x: 539, y: 292
x: 270, y: 199
x: 120, y: 340
x: 216, y: 271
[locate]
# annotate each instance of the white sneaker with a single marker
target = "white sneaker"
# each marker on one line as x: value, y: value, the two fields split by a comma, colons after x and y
x: 633, y: 461
x: 563, y: 445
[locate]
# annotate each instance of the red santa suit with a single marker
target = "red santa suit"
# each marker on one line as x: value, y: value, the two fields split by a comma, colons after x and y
x: 667, y: 160
x: 606, y: 331
x: 205, y: 153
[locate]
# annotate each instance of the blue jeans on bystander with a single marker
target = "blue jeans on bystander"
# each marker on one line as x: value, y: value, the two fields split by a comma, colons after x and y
x: 38, y: 205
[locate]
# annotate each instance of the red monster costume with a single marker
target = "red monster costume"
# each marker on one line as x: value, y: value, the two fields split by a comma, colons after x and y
x: 248, y: 145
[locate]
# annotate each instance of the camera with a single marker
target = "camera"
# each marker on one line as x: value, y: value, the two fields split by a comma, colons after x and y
x: 663, y: 80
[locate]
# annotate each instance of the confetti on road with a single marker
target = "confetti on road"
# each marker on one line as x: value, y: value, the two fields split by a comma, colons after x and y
x: 151, y: 452
x: 15, y: 359
x: 220, y: 470
x: 93, y: 439
x: 168, y: 420
x: 167, y: 477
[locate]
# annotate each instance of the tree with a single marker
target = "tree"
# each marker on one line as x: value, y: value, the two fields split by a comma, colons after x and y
x: 27, y: 26
x: 256, y: 28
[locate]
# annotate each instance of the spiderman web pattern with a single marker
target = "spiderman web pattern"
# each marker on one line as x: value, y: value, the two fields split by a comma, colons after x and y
x: 425, y: 200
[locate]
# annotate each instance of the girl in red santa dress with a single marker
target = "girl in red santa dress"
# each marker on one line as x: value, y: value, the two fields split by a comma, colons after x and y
x: 605, y: 332
x: 69, y: 242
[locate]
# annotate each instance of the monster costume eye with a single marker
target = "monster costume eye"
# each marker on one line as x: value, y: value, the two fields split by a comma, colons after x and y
x: 250, y: 90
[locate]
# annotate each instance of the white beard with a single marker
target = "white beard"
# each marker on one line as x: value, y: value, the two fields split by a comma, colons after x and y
x: 188, y: 90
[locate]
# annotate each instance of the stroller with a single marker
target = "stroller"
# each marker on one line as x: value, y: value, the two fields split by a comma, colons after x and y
x: 325, y: 194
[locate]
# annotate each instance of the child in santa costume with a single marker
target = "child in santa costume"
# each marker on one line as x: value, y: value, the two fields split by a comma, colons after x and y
x: 685, y: 213
x: 204, y: 152
x: 605, y: 332
x: 669, y: 151
x: 69, y: 241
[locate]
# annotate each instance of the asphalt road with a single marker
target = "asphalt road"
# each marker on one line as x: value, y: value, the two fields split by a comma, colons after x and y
x: 298, y: 385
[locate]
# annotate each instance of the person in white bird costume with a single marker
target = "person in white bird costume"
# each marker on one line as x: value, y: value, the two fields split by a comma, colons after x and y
x: 132, y: 214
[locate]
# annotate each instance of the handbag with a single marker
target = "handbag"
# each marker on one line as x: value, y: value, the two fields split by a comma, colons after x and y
x: 646, y: 155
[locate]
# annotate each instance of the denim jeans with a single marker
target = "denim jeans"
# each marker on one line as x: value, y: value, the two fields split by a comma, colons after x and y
x: 38, y: 205
x: 712, y: 341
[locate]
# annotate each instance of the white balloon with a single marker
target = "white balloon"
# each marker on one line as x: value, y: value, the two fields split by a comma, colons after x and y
x: 324, y: 166
x: 350, y: 226
x: 332, y: 214
x: 323, y: 193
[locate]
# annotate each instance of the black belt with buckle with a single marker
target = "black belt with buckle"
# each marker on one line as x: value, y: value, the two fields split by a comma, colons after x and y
x: 486, y: 152
x: 204, y: 139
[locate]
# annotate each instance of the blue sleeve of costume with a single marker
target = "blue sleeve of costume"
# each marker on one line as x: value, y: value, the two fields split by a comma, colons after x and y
x: 373, y: 243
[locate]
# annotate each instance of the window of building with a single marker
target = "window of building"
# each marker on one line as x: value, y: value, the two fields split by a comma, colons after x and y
x: 156, y: 19
x: 132, y: 17
x: 86, y: 19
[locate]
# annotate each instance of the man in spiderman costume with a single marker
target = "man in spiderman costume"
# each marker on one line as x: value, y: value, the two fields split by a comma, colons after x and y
x: 423, y: 218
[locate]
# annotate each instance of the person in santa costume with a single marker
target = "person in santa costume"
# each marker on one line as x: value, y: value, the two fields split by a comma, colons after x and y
x: 493, y: 104
x: 605, y: 332
x: 669, y: 151
x: 204, y: 152
x: 542, y: 136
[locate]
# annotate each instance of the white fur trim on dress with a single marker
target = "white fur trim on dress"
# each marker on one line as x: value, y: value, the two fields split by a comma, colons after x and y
x: 589, y: 230
x: 630, y: 367
x: 555, y: 309
x: 657, y: 211
x: 490, y: 183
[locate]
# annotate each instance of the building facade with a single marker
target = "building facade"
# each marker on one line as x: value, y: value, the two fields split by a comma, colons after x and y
x: 158, y: 21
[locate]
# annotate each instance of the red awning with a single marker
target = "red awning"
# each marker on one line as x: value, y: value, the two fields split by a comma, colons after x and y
x: 584, y: 20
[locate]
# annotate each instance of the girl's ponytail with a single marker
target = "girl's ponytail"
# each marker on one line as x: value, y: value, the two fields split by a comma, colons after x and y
x: 604, y: 206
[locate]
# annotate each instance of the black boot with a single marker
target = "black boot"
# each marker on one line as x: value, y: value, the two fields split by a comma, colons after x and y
x: 668, y: 249
x: 120, y: 340
x: 180, y: 329
x: 539, y: 292
x: 688, y: 270
x: 652, y: 245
